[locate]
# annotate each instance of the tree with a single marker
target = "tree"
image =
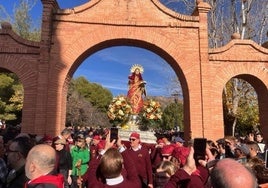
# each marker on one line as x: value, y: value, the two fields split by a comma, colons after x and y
x: 240, y: 106
x: 86, y: 104
x: 98, y: 96
x: 22, y: 22
x: 11, y: 100
x: 80, y: 112
x: 246, y: 17
x: 172, y: 113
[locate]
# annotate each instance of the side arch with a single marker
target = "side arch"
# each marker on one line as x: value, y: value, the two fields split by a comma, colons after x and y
x: 255, y: 75
x: 26, y: 70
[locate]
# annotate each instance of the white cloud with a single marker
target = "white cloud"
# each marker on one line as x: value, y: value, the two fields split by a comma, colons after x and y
x: 110, y: 68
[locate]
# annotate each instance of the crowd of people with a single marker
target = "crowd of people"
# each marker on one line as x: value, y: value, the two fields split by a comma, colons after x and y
x: 89, y: 158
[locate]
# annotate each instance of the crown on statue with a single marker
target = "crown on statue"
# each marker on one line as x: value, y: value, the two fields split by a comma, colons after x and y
x: 136, y: 66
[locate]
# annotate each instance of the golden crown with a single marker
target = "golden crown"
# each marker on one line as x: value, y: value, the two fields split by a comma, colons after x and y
x: 136, y: 66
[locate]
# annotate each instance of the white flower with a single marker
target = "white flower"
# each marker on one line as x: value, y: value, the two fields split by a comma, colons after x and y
x: 159, y: 116
x: 118, y: 103
x: 120, y: 112
x: 153, y: 103
x: 148, y: 110
x: 152, y: 110
x: 119, y: 108
x: 152, y: 116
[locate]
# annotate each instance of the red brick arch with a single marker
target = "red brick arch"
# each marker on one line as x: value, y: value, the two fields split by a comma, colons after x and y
x: 70, y: 36
x: 248, y: 73
x: 241, y: 59
x: 113, y: 40
x: 23, y: 63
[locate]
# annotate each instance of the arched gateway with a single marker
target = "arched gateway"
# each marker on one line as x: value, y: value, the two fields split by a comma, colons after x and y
x: 71, y: 35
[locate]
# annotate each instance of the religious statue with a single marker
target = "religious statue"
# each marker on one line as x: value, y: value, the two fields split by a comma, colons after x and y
x: 136, y: 88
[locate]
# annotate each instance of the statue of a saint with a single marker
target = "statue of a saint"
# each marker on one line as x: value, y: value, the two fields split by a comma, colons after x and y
x: 136, y: 88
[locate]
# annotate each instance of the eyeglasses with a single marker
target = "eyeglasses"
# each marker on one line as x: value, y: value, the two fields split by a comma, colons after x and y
x: 132, y: 139
x: 165, y: 156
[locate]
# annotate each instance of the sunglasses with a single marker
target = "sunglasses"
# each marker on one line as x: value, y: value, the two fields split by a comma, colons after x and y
x: 132, y: 139
x: 165, y: 156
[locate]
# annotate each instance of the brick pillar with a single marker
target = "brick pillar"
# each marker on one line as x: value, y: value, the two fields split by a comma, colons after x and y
x: 49, y: 6
x: 202, y: 11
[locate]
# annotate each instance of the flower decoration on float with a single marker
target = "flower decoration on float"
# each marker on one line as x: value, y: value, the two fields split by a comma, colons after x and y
x: 152, y: 110
x: 119, y: 110
x: 136, y: 66
x: 151, y: 115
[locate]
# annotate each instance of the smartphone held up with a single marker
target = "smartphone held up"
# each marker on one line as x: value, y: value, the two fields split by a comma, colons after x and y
x: 200, y: 145
x: 114, y: 134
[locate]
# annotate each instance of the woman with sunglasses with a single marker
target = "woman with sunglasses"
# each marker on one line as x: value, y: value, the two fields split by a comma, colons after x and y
x: 64, y: 161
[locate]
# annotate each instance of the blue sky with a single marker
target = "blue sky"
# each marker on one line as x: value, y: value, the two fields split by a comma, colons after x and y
x: 110, y: 67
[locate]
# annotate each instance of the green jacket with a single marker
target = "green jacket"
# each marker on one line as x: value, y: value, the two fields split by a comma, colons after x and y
x: 77, y: 155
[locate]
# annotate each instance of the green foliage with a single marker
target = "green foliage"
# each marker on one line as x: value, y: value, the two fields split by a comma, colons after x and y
x: 240, y: 104
x: 148, y: 124
x: 86, y: 104
x: 5, y: 86
x: 172, y: 113
x: 16, y: 100
x: 11, y: 100
x: 98, y: 96
x: 248, y: 119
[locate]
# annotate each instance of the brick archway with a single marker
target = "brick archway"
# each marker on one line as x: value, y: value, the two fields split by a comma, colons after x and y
x: 252, y: 76
x: 71, y: 35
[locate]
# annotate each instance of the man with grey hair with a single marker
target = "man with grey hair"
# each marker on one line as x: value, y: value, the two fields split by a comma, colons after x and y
x: 66, y: 134
x: 40, y: 166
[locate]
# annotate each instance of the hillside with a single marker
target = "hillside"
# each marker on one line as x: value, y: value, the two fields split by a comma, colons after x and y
x: 164, y: 101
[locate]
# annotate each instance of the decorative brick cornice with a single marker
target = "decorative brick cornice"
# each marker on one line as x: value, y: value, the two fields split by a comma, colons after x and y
x: 157, y: 4
x: 233, y: 51
x: 25, y: 46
